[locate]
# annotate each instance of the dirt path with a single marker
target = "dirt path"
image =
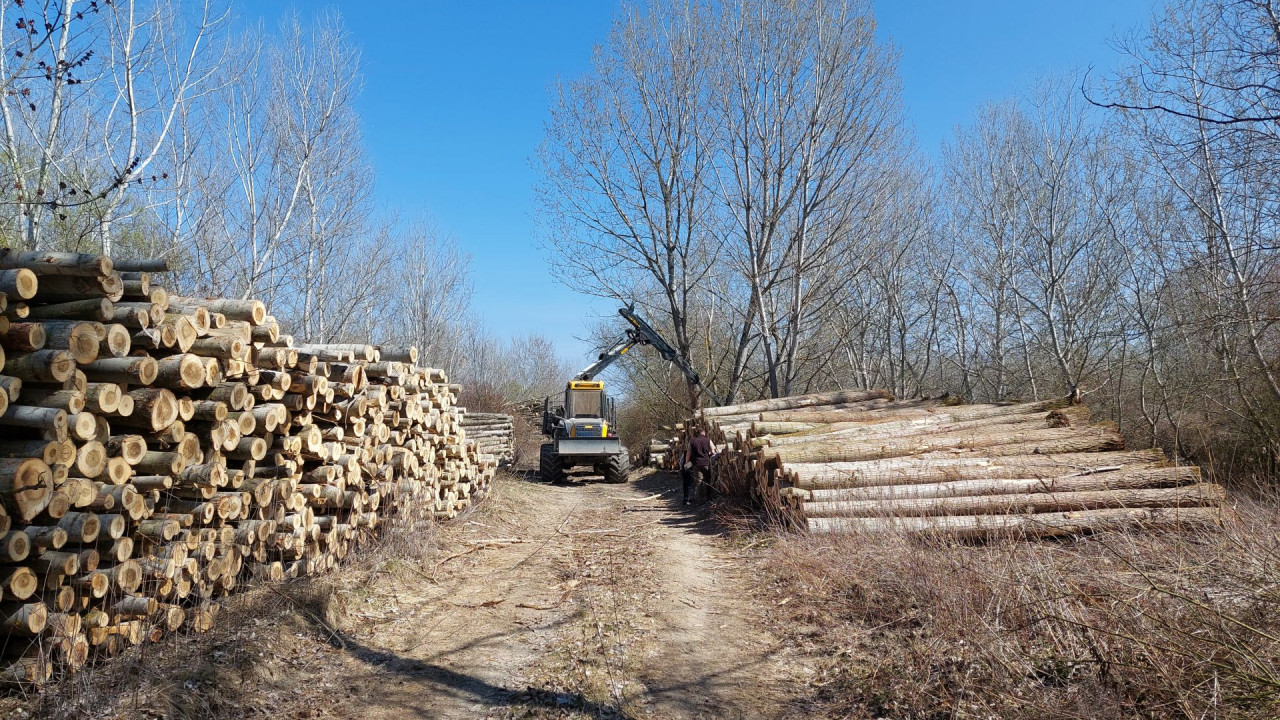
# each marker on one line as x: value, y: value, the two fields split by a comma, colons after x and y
x: 579, y: 601
x: 709, y: 653
x: 587, y: 600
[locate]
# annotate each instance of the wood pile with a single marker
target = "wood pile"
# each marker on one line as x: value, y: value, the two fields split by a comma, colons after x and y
x: 528, y: 411
x: 494, y: 434
x: 159, y: 452
x: 863, y: 461
x: 659, y: 452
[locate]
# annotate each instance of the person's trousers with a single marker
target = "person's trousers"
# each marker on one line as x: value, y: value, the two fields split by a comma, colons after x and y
x: 693, y: 478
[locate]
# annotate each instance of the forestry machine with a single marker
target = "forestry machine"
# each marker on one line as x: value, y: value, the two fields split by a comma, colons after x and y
x: 583, y: 429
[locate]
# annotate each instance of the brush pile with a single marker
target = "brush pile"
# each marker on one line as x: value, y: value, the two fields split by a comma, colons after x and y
x: 863, y: 461
x: 158, y: 452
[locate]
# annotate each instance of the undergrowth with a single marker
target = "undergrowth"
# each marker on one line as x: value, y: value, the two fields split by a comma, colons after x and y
x: 1176, y: 625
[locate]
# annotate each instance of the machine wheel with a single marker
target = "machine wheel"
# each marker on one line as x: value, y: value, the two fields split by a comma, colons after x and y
x: 549, y: 468
x: 617, y: 468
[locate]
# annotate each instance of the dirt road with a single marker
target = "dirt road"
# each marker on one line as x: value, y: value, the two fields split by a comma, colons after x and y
x: 579, y: 601
x: 586, y: 600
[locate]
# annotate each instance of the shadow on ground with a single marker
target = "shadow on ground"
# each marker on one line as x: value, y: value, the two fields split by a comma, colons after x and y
x: 425, y: 679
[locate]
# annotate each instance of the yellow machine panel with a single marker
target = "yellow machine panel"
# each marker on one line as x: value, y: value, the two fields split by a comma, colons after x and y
x: 586, y: 385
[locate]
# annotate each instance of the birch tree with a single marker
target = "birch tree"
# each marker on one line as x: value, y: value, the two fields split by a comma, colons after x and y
x: 286, y: 108
x: 433, y: 276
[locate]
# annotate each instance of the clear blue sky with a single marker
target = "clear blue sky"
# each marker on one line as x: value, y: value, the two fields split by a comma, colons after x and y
x: 455, y: 97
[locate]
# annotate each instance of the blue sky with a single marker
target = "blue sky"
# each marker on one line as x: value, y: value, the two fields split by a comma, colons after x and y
x: 455, y: 97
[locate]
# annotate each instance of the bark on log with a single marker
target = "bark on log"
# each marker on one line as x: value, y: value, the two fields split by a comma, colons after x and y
x: 52, y: 420
x: 180, y: 372
x: 1039, y: 525
x: 102, y: 397
x: 1188, y: 496
x: 145, y: 265
x: 70, y: 288
x: 9, y: 386
x: 1117, y: 478
x: 69, y: 401
x: 82, y: 339
x: 1046, y: 440
x: 23, y: 620
x: 47, y: 366
x: 123, y: 371
x: 50, y: 451
x: 251, y: 311
x: 96, y: 309
x: 927, y: 469
x: 129, y: 447
x: 56, y: 263
x: 799, y: 401
x: 154, y: 409
x: 24, y: 337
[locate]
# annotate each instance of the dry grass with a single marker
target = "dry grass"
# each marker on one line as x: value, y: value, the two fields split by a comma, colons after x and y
x: 1113, y: 626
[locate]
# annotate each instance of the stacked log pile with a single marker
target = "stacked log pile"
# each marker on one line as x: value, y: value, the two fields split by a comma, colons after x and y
x: 159, y: 452
x: 494, y: 434
x: 863, y: 461
x: 659, y: 452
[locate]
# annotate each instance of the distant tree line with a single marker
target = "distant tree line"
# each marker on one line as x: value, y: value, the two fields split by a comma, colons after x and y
x: 743, y: 171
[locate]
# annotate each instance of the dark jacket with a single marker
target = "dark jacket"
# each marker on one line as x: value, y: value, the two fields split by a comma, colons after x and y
x: 700, y: 451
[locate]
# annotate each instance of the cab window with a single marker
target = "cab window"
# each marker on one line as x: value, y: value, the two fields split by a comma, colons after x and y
x: 585, y: 403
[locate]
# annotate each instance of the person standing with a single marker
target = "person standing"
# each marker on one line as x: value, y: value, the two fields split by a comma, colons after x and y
x: 697, y: 463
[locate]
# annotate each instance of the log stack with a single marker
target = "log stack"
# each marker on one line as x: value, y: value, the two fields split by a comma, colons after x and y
x: 161, y: 451
x: 863, y: 461
x: 662, y: 452
x: 494, y: 433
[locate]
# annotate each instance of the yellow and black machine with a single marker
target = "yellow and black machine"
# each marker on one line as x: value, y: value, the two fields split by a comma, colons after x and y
x: 583, y: 429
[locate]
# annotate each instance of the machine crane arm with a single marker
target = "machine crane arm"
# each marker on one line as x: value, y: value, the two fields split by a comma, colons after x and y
x: 641, y: 333
x: 606, y: 358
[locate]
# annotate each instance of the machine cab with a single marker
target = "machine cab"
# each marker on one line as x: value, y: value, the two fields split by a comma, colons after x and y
x: 588, y: 412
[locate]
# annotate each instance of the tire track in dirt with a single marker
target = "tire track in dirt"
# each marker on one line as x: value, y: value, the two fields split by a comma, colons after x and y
x: 458, y: 644
x: 580, y: 601
x: 665, y: 614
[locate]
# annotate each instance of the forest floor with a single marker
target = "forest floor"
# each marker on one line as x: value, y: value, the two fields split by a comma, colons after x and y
x: 583, y: 600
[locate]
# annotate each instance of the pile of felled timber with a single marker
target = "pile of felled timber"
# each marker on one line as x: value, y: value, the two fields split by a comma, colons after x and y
x: 660, y: 452
x: 863, y: 461
x: 158, y: 452
x: 494, y: 434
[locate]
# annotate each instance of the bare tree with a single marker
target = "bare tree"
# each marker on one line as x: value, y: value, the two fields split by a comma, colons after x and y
x: 624, y: 165
x: 726, y: 161
x: 433, y: 276
x: 978, y: 169
x: 286, y: 111
x: 1202, y: 97
x: 92, y: 95
x: 1041, y: 202
x: 809, y: 116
